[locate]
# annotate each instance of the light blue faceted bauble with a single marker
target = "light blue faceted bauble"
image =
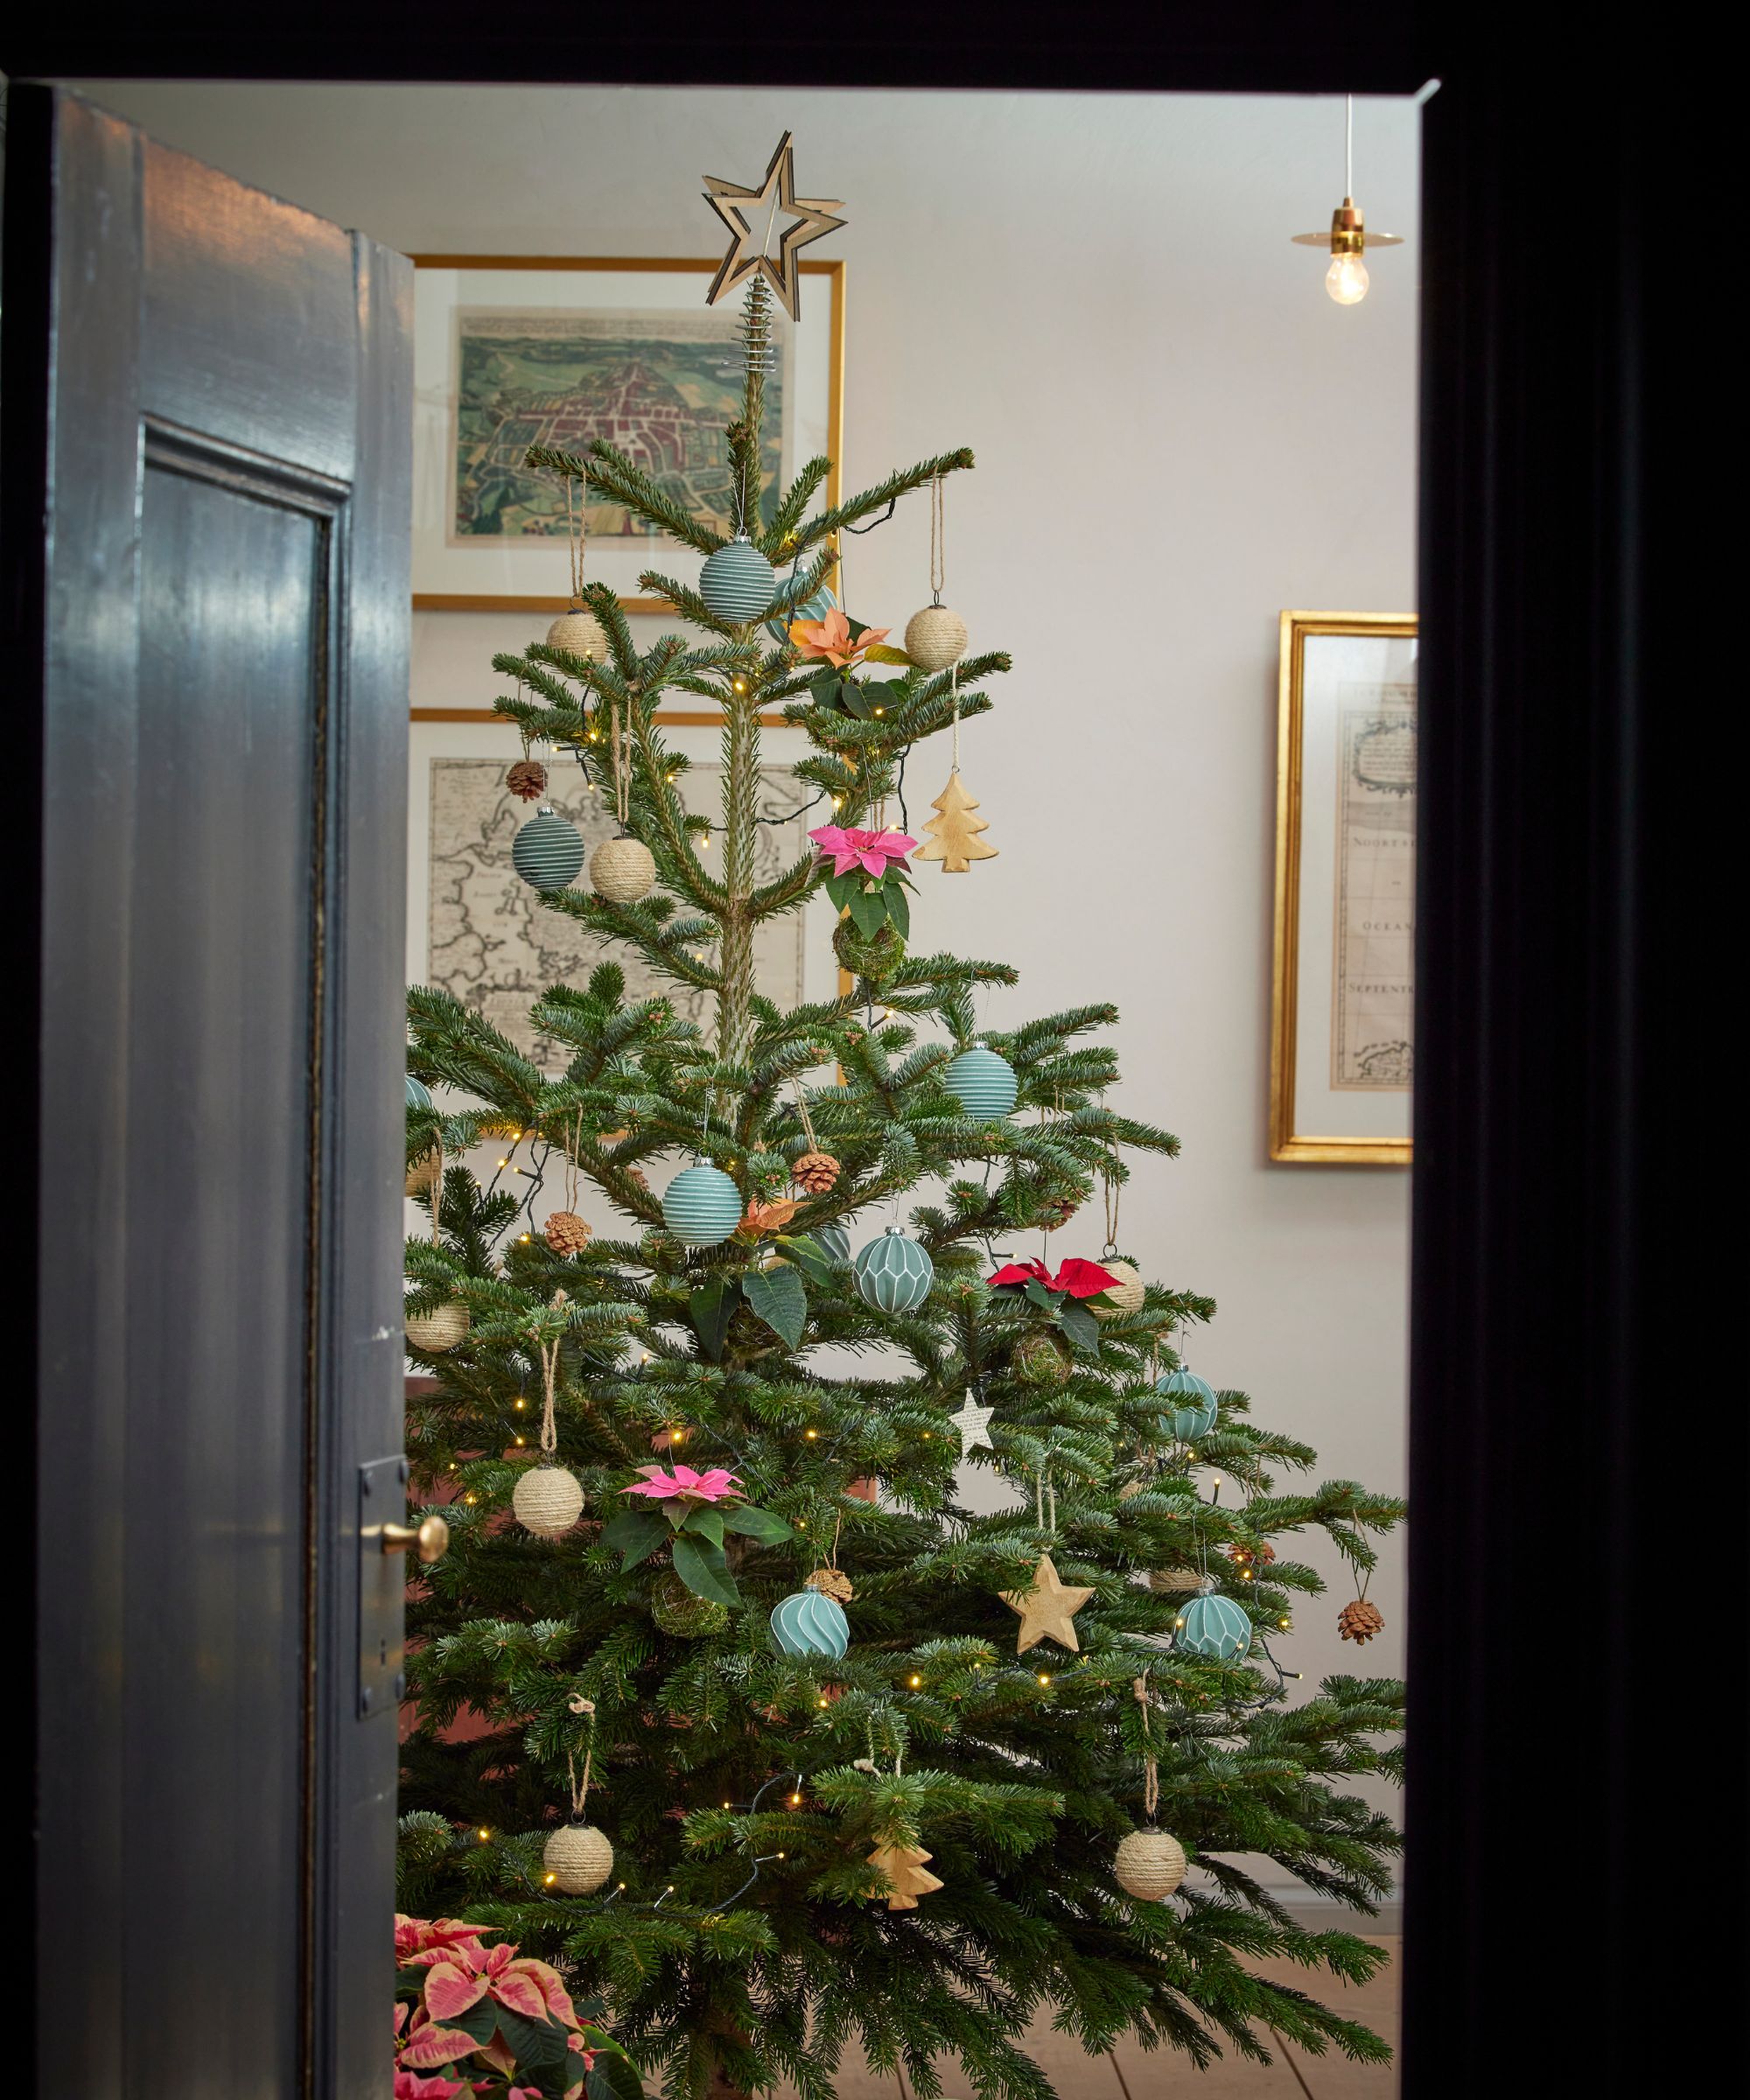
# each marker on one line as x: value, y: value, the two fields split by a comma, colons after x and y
x: 548, y: 852
x: 893, y: 1273
x: 418, y: 1096
x: 1215, y: 1627
x: 810, y: 1624
x: 737, y: 582
x: 834, y: 1242
x: 702, y: 1206
x: 983, y: 1082
x: 1192, y: 1413
x: 815, y: 608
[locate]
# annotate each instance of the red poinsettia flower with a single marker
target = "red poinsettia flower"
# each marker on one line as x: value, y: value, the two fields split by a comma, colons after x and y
x: 1076, y: 1278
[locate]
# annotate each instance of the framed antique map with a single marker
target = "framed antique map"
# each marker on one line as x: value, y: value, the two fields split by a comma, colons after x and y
x: 1343, y: 1023
x: 515, y: 351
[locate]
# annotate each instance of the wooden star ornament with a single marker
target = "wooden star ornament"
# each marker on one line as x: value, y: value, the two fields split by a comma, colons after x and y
x: 902, y: 1865
x: 1047, y: 1609
x: 750, y: 216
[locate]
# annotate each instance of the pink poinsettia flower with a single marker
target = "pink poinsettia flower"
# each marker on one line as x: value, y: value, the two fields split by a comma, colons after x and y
x: 427, y: 2042
x: 409, y: 2085
x: 527, y: 1987
x: 1076, y: 1277
x: 871, y: 850
x: 829, y: 640
x: 419, y: 1942
x: 683, y: 1485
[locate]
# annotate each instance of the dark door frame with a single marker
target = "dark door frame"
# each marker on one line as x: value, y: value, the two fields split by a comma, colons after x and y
x: 1549, y: 1030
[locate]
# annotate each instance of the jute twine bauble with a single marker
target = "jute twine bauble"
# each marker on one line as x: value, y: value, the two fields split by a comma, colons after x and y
x: 1174, y: 1582
x: 1125, y: 1296
x: 548, y: 852
x: 526, y: 779
x: 1360, y: 1622
x: 578, y: 1858
x: 679, y: 1611
x: 1150, y: 1864
x: 422, y: 1175
x: 831, y: 1584
x: 579, y: 633
x: 438, y: 1330
x: 814, y: 1171
x: 621, y: 870
x: 547, y: 1501
x: 1039, y: 1359
x: 566, y: 1232
x: 935, y: 638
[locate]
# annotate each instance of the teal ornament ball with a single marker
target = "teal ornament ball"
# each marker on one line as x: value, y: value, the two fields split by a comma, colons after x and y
x: 702, y: 1206
x: 983, y: 1082
x: 548, y: 852
x: 737, y: 583
x: 418, y: 1094
x: 1214, y: 1627
x: 893, y: 1273
x: 1193, y: 1412
x: 810, y: 1624
x: 834, y: 1242
x: 815, y: 608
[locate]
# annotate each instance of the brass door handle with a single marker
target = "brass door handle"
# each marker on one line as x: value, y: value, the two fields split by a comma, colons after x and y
x: 429, y: 1539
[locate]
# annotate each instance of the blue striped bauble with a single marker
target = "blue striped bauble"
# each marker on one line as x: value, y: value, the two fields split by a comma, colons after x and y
x: 1214, y: 1627
x: 983, y: 1082
x: 834, y: 1242
x: 702, y: 1206
x: 418, y: 1096
x: 1193, y: 1412
x: 548, y: 852
x: 737, y: 582
x: 810, y: 1624
x: 815, y: 608
x: 893, y: 1273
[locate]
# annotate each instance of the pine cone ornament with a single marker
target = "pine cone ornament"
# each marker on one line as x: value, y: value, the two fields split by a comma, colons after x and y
x: 526, y: 779
x: 814, y: 1172
x: 831, y: 1584
x: 1058, y: 1212
x: 1360, y: 1622
x: 567, y: 1233
x: 1244, y: 1557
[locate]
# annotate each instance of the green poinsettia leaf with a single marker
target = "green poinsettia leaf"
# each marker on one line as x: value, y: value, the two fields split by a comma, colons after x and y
x: 710, y: 1308
x: 634, y: 1534
x: 824, y: 686
x: 868, y: 911
x: 1046, y: 1300
x: 842, y: 888
x: 899, y: 910
x: 881, y: 652
x: 541, y: 2048
x: 1081, y: 1326
x: 615, y: 2075
x: 808, y: 1256
x: 777, y: 1295
x: 707, y: 1522
x: 762, y: 1524
x: 701, y: 1566
x: 856, y: 697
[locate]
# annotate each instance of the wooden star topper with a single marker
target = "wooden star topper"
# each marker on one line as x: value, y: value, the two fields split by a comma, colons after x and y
x: 973, y: 1422
x: 903, y: 1867
x: 750, y: 215
x: 1049, y: 1607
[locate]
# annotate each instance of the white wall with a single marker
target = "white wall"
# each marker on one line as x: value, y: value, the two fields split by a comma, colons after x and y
x: 1177, y: 435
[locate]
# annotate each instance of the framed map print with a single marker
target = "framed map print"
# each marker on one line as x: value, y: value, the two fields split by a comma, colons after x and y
x: 1343, y: 1021
x: 515, y: 351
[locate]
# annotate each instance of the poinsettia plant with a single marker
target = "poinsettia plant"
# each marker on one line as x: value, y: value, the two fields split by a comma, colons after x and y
x: 471, y: 2018
x: 1069, y: 1297
x: 869, y: 879
x: 841, y: 645
x: 693, y: 1512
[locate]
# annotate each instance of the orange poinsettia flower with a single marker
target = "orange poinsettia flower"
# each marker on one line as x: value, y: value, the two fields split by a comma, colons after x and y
x: 829, y: 640
x: 765, y: 1217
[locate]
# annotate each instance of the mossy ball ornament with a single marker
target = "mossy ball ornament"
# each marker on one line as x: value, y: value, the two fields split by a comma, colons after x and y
x: 1192, y: 1408
x: 702, y: 1206
x: 579, y: 633
x: 737, y: 583
x: 983, y: 1082
x: 578, y: 1858
x: 810, y: 1623
x: 678, y: 1611
x: 893, y: 1273
x: 1150, y: 1864
x: 548, y: 852
x: 1214, y: 1627
x: 622, y: 869
x: 935, y: 638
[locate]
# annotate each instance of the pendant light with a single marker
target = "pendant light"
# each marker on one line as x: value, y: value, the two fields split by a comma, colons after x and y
x: 1349, y: 238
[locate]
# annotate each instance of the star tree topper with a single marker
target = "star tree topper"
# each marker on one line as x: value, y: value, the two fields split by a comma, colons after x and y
x: 973, y: 1422
x: 1048, y: 1608
x: 744, y: 211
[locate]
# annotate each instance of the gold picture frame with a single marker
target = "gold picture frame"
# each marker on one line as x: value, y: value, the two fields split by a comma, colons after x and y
x: 1357, y: 830
x: 825, y: 388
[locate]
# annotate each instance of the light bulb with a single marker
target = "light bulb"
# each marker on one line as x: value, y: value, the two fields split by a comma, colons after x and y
x: 1347, y: 280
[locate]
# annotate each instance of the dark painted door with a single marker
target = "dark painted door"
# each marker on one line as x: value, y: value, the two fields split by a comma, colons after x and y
x: 207, y: 409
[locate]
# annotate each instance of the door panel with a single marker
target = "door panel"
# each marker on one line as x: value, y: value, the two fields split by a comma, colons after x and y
x: 208, y: 411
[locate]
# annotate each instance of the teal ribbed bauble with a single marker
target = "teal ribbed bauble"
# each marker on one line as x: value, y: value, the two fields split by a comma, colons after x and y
x: 1193, y: 1412
x: 893, y: 1273
x: 737, y: 582
x: 815, y: 608
x: 834, y: 1242
x: 702, y: 1206
x: 810, y: 1624
x: 548, y: 852
x: 984, y: 1083
x: 1215, y: 1627
x: 418, y: 1096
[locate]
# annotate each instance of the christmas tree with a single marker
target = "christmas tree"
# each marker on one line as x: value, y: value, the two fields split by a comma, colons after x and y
x: 727, y: 1704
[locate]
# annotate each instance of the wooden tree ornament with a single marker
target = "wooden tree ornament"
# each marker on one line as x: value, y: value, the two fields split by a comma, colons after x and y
x: 951, y: 836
